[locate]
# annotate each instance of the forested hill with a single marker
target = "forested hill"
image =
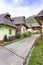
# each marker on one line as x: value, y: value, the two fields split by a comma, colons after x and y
x: 31, y: 20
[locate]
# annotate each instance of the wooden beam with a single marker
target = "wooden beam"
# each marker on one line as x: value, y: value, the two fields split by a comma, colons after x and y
x: 42, y: 28
x: 39, y: 20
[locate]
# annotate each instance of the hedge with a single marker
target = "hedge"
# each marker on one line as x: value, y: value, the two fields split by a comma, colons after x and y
x: 27, y: 34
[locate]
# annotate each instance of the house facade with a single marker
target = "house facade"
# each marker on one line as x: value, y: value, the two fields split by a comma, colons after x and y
x: 20, y: 22
x: 39, y: 17
x: 11, y: 27
x: 33, y: 27
x: 7, y: 28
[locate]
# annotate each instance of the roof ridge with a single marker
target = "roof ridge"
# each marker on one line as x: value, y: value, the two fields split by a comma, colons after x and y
x: 4, y: 13
x: 40, y: 12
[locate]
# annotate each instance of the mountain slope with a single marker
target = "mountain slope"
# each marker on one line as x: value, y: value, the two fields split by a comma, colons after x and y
x: 31, y: 20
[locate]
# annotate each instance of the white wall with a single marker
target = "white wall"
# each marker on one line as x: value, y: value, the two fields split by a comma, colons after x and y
x: 30, y: 30
x: 23, y: 29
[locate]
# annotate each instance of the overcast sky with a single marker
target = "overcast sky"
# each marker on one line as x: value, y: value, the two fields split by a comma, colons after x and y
x: 21, y: 7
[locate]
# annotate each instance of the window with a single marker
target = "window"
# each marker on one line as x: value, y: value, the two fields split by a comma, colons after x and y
x: 10, y: 31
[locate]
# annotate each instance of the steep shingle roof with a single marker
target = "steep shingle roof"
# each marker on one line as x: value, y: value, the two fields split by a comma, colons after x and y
x: 5, y: 21
x: 40, y: 13
x: 33, y: 25
x: 19, y: 20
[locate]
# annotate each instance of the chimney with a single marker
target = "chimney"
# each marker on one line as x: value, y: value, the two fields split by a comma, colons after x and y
x: 8, y: 17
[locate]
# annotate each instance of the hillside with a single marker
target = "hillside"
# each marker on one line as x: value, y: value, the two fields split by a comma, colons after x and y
x: 31, y: 19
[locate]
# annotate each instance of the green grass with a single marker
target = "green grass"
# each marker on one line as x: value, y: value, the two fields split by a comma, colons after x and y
x: 23, y: 36
x: 38, y: 41
x: 37, y: 56
x: 16, y: 40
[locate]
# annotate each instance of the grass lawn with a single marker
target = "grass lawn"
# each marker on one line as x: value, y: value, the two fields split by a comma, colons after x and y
x: 23, y: 36
x: 37, y: 56
x: 38, y: 41
x: 16, y: 40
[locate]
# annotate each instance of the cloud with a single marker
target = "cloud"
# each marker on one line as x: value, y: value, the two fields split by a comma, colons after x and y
x: 25, y: 11
x: 15, y: 1
x: 19, y: 11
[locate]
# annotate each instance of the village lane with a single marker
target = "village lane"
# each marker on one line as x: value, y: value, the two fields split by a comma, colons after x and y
x: 16, y: 53
x: 9, y: 58
x: 22, y: 47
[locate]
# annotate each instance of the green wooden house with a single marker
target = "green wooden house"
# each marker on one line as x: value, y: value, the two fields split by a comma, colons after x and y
x: 7, y: 28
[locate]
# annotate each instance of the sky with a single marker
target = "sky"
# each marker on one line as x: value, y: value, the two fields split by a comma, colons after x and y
x: 21, y: 7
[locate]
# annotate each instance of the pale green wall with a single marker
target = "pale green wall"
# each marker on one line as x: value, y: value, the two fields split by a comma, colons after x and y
x: 4, y: 30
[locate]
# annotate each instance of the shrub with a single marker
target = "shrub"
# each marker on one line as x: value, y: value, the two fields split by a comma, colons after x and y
x: 27, y: 34
x: 38, y: 41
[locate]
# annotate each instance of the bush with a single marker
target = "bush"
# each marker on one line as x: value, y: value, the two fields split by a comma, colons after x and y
x: 27, y: 34
x: 38, y: 41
